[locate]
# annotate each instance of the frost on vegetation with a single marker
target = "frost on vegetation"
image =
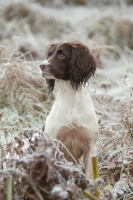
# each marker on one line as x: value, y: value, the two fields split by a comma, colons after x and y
x: 38, y: 169
x: 24, y: 102
x: 114, y: 31
x: 24, y: 99
x: 21, y: 84
x: 115, y: 146
x: 121, y: 186
x: 31, y: 23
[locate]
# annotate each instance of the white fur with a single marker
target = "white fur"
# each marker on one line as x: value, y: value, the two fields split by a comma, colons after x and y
x: 46, y: 62
x: 71, y: 108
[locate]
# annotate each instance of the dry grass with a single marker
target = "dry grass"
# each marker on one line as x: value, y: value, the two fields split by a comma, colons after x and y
x: 40, y: 171
x: 24, y: 99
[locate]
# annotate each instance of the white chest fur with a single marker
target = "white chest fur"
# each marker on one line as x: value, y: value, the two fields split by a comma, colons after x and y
x: 71, y: 109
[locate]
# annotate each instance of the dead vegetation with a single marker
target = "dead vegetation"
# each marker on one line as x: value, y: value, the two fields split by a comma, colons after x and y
x: 24, y: 99
x: 39, y: 170
x: 21, y: 83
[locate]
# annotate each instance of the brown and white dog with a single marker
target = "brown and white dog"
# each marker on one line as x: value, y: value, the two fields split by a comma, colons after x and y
x: 72, y: 119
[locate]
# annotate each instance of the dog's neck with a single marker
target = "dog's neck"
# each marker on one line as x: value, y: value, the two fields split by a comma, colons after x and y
x: 70, y: 101
x: 65, y: 90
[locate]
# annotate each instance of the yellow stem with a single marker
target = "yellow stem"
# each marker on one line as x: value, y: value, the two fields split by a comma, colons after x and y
x: 95, y: 172
x: 9, y: 188
x: 90, y: 195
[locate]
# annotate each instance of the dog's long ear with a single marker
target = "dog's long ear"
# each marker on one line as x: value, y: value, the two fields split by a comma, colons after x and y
x: 50, y: 83
x: 82, y: 65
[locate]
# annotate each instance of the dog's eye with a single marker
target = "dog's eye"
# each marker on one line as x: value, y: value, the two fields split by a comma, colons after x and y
x: 61, y: 55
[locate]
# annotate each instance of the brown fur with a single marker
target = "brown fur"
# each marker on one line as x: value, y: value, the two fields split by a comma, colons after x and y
x: 81, y: 64
x: 77, y: 142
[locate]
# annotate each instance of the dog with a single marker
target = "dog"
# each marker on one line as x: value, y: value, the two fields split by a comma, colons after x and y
x: 72, y: 119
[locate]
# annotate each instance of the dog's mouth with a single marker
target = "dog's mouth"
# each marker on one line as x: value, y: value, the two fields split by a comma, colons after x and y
x: 47, y: 75
x: 44, y: 74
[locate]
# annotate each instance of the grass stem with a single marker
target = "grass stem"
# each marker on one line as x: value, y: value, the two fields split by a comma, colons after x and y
x: 9, y: 188
x: 89, y: 195
x: 95, y: 172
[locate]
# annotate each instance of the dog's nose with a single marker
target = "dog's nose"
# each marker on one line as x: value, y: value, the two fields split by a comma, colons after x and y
x: 42, y: 66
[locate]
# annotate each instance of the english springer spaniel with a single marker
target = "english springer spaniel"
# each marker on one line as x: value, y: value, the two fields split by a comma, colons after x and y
x: 72, y: 119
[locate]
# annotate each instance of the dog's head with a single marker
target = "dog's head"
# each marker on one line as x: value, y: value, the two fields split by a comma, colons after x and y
x: 70, y: 61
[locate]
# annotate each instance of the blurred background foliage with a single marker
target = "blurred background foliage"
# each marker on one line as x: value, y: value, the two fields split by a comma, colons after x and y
x: 106, y: 27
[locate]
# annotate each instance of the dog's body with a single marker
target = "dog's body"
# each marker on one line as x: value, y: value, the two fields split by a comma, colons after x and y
x: 72, y: 119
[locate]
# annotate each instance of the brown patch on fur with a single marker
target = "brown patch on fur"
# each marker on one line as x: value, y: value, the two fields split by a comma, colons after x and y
x: 77, y: 141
